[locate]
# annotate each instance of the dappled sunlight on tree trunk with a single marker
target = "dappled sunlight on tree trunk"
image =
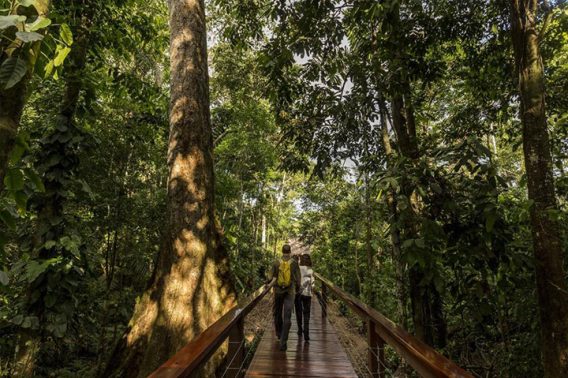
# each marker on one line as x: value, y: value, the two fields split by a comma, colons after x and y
x: 191, y: 286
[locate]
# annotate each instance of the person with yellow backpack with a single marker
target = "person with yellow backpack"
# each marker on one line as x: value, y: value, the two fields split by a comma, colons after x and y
x: 286, y: 276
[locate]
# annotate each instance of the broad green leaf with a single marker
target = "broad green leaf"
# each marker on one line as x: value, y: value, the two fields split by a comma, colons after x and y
x: 14, y: 180
x: 35, y: 179
x: 60, y: 330
x: 8, y: 219
x: 18, y: 319
x: 40, y: 23
x: 34, y: 268
x: 407, y: 243
x: 21, y: 200
x: 27, y: 3
x: 419, y: 242
x: 12, y: 20
x: 49, y: 69
x: 17, y: 153
x: 4, y: 280
x: 12, y: 71
x: 50, y: 300
x: 29, y: 36
x: 66, y: 35
x: 49, y: 244
x: 61, y: 55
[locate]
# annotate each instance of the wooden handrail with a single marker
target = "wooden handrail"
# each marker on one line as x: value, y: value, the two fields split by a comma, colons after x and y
x: 423, y: 358
x: 198, y: 351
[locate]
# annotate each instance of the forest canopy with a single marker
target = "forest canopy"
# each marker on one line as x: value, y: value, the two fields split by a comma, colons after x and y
x: 168, y: 149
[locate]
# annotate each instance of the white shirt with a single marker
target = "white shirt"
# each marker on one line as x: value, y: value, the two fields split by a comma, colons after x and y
x: 307, y: 280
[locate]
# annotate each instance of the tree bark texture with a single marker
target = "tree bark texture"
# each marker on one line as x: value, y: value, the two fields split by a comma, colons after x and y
x: 191, y: 286
x: 404, y: 125
x: 546, y: 231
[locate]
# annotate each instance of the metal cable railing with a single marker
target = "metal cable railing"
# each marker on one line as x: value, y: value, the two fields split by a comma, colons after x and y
x: 382, y: 333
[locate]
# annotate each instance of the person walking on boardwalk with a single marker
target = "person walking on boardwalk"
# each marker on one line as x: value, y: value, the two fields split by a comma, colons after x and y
x: 286, y: 277
x: 303, y: 301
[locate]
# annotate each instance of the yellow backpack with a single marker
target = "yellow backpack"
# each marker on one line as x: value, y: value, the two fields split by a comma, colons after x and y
x: 284, y: 274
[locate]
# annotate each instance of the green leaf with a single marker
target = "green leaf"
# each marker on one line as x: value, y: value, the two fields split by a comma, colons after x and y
x: 21, y: 200
x: 27, y: 3
x: 4, y: 280
x: 8, y: 219
x: 61, y: 55
x: 490, y: 221
x: 35, y: 179
x: 18, y: 319
x: 17, y: 153
x: 14, y: 180
x: 419, y: 242
x: 60, y: 330
x: 49, y: 69
x: 29, y: 36
x: 38, y: 24
x: 9, y: 21
x: 66, y: 35
x: 49, y: 244
x: 407, y: 243
x: 33, y: 270
x: 12, y: 71
x: 50, y: 300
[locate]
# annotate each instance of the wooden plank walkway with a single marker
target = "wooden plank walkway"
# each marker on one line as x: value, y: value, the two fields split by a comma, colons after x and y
x: 323, y: 356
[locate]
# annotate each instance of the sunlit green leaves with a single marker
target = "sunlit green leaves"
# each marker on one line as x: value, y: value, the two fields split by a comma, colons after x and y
x: 40, y: 23
x: 60, y: 55
x: 29, y: 36
x: 11, y: 21
x: 65, y: 34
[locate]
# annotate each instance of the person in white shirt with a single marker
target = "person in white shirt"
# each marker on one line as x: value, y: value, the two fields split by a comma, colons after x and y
x: 303, y: 300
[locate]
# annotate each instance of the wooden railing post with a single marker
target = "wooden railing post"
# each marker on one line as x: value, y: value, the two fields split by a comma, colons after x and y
x: 236, y: 353
x: 376, y: 354
x: 323, y: 300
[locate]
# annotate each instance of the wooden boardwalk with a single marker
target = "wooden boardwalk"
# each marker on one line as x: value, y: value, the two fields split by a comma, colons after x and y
x: 323, y: 356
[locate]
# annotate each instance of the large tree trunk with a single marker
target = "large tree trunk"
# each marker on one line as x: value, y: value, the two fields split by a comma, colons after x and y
x: 12, y: 100
x: 546, y: 231
x: 191, y: 285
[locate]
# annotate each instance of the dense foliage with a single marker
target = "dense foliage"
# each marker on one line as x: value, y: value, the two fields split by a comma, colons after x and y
x: 307, y: 145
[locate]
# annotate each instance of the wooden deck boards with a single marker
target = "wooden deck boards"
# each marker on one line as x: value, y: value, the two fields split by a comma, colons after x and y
x: 323, y: 356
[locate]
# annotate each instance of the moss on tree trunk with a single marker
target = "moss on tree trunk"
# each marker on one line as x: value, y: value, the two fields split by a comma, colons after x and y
x: 546, y: 230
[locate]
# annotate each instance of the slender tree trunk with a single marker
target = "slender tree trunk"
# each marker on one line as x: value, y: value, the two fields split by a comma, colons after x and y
x: 191, y: 286
x: 263, y: 239
x: 401, y: 294
x: 546, y: 230
x: 51, y: 206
